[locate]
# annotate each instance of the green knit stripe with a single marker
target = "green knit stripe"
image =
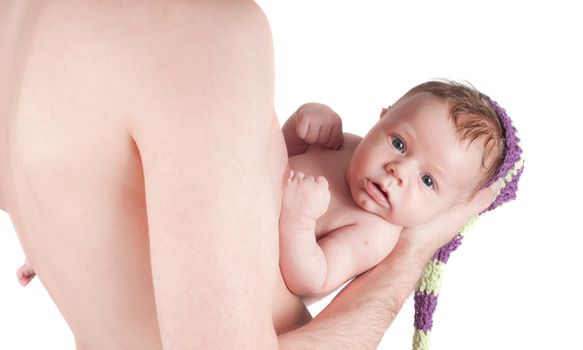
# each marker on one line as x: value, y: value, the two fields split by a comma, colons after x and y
x: 514, y: 171
x: 469, y: 225
x: 420, y: 340
x: 431, y: 279
x: 511, y: 173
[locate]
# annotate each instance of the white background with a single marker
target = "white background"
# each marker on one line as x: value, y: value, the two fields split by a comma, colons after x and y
x: 513, y: 284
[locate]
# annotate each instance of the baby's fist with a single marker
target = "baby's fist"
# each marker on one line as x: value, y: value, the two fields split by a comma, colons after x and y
x: 305, y: 196
x: 318, y: 124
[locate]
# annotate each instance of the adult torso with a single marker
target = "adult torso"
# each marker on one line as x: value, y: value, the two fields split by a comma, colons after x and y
x: 72, y: 180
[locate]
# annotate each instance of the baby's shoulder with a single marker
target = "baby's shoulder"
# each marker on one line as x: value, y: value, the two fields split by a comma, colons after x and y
x: 351, y: 138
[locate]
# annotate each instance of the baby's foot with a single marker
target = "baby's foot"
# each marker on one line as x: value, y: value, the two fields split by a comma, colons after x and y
x: 25, y: 274
x: 305, y: 197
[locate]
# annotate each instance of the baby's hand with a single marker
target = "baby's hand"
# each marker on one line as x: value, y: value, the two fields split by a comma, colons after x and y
x: 318, y: 124
x: 304, y: 198
x: 25, y: 274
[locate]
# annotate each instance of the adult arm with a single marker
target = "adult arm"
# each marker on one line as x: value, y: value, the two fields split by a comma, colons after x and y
x: 200, y: 83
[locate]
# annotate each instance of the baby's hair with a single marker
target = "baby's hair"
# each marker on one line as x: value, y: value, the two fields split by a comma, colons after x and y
x: 474, y: 118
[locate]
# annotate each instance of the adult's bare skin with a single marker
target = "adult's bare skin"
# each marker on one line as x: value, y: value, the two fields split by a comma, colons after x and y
x: 135, y: 141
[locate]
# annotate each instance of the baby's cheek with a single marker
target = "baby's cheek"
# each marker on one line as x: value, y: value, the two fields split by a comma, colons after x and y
x: 433, y: 211
x: 414, y: 214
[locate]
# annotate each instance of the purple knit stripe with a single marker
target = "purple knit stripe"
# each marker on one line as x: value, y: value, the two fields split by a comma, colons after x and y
x: 512, y: 155
x: 425, y: 304
x: 443, y: 253
x: 512, y: 150
x: 509, y: 192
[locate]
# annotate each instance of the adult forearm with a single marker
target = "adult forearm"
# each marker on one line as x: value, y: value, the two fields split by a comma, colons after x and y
x: 359, y: 315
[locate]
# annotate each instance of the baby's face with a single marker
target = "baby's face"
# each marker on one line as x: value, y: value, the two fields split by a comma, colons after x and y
x: 413, y: 154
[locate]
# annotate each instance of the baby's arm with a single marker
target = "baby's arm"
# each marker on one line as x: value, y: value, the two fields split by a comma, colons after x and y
x: 352, y: 250
x: 312, y: 123
x: 302, y: 262
x: 312, y: 268
x: 25, y: 273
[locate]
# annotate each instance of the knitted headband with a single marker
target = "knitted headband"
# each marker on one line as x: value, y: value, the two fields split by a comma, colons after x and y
x: 429, y: 284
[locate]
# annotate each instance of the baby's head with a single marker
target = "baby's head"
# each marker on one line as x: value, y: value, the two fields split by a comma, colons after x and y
x: 435, y: 147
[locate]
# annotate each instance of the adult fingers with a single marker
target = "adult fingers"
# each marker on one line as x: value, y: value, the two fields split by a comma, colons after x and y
x: 481, y: 201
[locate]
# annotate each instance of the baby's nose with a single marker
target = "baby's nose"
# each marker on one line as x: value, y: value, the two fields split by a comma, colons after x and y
x: 395, y: 173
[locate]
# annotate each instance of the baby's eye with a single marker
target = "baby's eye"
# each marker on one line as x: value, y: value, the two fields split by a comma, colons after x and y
x: 427, y: 180
x: 398, y: 144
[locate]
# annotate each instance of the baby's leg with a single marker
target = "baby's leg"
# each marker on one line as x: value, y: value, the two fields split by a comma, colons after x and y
x: 25, y: 274
x: 302, y: 262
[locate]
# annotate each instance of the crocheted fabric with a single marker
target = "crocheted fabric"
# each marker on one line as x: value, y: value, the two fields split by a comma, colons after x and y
x: 428, y: 290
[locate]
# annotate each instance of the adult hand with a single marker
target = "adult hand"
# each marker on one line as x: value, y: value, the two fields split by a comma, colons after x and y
x: 428, y: 238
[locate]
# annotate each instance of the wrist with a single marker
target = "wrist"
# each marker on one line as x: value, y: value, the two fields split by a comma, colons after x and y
x: 414, y: 252
x: 296, y: 220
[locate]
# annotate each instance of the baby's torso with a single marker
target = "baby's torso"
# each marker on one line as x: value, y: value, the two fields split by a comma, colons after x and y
x: 332, y: 164
x: 342, y: 210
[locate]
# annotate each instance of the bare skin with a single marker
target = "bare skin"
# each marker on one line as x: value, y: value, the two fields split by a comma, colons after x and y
x: 102, y: 170
x: 25, y: 274
x: 334, y: 227
x: 92, y: 169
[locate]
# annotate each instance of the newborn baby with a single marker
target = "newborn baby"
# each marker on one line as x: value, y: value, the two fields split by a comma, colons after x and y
x: 432, y: 149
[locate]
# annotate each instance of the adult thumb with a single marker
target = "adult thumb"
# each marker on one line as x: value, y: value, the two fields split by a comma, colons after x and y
x: 486, y: 196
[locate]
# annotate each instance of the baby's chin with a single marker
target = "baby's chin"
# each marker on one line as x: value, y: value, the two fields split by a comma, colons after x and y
x: 371, y: 208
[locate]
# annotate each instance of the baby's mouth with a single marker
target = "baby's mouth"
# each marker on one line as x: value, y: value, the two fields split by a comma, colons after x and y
x: 381, y: 190
x: 375, y: 191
